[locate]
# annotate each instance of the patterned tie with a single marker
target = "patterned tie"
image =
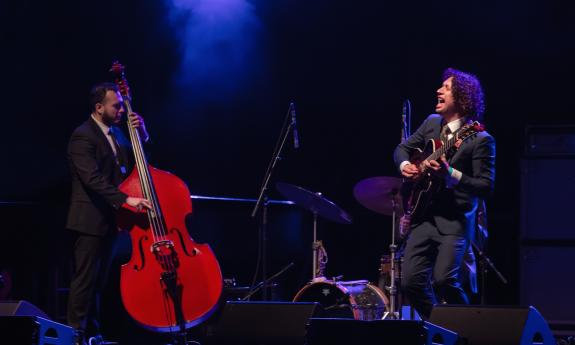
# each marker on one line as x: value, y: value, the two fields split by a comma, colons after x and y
x: 445, y: 131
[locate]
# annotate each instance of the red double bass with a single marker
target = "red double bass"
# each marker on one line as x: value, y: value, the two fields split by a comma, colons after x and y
x: 171, y: 282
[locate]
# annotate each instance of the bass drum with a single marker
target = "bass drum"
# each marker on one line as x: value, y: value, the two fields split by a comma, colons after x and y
x: 357, y: 299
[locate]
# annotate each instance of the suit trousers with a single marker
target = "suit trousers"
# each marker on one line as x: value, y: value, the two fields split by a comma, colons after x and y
x: 432, y: 256
x: 92, y: 258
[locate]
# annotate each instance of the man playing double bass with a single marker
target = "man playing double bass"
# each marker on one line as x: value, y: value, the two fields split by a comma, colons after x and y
x: 438, y: 239
x: 100, y: 158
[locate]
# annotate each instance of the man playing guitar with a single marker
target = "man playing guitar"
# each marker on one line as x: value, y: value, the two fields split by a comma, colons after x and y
x: 439, y: 233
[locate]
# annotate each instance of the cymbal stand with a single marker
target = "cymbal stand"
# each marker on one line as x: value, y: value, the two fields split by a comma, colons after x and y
x: 394, y: 312
x: 394, y: 308
x: 319, y: 254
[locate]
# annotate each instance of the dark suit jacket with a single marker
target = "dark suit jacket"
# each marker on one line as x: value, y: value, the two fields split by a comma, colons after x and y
x: 454, y: 210
x: 95, y: 177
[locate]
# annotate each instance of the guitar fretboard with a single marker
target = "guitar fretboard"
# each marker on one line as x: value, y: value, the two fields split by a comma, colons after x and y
x: 462, y: 133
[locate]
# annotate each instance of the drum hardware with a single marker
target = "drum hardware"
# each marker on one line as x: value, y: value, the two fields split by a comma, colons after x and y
x: 266, y: 283
x: 381, y: 195
x: 320, y: 259
x: 357, y: 299
x: 385, y: 270
x: 318, y: 205
x: 394, y: 308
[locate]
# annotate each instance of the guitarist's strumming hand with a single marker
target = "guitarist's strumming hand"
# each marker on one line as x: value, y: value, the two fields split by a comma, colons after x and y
x: 440, y: 169
x: 410, y: 171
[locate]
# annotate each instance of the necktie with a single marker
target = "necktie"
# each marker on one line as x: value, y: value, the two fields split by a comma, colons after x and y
x: 444, y: 135
x: 118, y: 152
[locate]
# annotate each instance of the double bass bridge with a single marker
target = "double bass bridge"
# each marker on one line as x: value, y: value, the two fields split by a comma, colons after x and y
x: 165, y: 254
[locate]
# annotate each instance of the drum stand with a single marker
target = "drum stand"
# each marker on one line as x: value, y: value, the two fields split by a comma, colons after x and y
x: 394, y: 308
x: 319, y: 254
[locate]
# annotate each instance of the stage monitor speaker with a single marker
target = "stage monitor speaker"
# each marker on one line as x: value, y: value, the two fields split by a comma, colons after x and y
x: 20, y: 308
x: 22, y: 323
x: 494, y: 325
x: 262, y: 323
x: 324, y: 331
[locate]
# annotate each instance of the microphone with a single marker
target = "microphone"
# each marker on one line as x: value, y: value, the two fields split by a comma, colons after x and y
x: 294, y: 126
x: 404, y: 113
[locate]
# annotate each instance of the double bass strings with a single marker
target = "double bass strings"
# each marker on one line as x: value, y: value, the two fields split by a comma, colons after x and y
x: 154, y: 215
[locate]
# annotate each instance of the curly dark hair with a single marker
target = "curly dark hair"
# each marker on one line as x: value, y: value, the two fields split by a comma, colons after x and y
x: 467, y: 93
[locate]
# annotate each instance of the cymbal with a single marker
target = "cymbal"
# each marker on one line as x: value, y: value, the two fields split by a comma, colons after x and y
x: 313, y: 202
x: 377, y: 194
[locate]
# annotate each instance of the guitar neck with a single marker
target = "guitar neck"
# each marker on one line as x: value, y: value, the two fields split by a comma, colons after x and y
x: 444, y: 148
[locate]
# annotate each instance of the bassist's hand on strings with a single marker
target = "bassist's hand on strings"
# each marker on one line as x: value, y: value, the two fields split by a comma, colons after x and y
x: 138, y: 203
x: 440, y: 168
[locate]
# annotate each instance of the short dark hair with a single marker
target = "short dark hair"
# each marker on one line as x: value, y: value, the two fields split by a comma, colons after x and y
x: 98, y: 93
x: 467, y: 93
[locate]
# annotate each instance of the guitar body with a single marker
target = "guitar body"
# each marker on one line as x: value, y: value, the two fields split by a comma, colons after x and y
x: 417, y: 193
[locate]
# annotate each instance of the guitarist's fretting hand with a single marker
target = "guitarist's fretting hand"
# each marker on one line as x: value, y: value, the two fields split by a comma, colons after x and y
x: 440, y: 168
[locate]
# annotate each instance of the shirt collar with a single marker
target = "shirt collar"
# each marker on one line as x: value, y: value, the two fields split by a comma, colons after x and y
x: 103, y: 126
x: 455, y: 124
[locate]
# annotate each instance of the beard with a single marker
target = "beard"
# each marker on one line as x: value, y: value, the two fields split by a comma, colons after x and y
x: 110, y: 119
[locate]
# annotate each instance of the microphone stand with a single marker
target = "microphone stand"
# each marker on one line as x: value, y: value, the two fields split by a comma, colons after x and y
x: 486, y: 264
x: 394, y: 312
x: 262, y: 202
x: 267, y: 281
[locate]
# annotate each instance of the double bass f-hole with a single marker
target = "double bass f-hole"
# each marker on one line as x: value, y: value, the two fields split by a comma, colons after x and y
x: 195, y: 251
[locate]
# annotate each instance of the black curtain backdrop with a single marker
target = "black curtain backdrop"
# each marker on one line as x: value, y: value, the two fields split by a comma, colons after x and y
x: 348, y: 66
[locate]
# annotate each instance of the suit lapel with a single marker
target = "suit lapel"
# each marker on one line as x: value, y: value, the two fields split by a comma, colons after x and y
x: 435, y: 129
x: 464, y: 145
x: 100, y: 135
x: 103, y: 142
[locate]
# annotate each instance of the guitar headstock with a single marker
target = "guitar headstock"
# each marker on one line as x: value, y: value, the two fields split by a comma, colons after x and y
x: 470, y: 129
x: 120, y: 79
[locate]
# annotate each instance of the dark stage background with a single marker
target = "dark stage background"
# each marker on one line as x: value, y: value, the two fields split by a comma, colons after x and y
x: 213, y: 80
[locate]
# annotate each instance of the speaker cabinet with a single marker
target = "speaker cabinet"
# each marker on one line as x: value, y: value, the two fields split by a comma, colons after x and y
x: 548, y: 230
x: 20, y: 308
x: 494, y: 325
x: 262, y: 323
x: 547, y: 186
x: 547, y: 280
x: 22, y: 323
